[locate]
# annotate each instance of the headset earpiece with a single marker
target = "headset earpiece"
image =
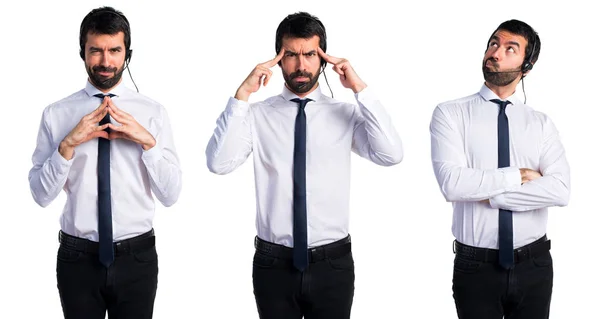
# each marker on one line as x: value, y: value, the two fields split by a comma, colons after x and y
x: 527, y: 64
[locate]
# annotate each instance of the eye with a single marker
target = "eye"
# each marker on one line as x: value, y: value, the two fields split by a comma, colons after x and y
x: 511, y: 49
x: 493, y: 44
x: 289, y: 54
x: 312, y: 54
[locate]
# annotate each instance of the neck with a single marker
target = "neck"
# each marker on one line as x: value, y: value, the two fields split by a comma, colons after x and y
x: 303, y: 95
x: 504, y: 91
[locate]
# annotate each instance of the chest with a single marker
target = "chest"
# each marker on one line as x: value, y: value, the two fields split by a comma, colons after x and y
x: 329, y: 130
x: 480, y: 136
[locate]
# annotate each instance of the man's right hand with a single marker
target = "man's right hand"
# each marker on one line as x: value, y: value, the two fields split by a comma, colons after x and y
x: 85, y: 130
x: 260, y: 75
x: 528, y: 175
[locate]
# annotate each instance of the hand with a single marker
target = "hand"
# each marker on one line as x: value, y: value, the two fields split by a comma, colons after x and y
x: 260, y: 75
x: 348, y: 77
x: 528, y: 175
x: 86, y: 129
x: 129, y: 129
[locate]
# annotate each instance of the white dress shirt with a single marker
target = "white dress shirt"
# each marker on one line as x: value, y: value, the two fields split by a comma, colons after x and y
x: 134, y: 173
x: 464, y: 152
x: 333, y: 130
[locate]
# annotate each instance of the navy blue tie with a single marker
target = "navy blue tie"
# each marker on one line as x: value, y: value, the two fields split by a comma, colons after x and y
x: 505, y: 223
x: 300, y: 250
x: 105, y: 231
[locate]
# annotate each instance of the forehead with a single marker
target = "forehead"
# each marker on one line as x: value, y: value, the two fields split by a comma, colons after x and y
x: 108, y: 40
x: 505, y: 36
x: 301, y: 43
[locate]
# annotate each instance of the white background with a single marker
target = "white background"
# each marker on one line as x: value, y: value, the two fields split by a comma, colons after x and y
x: 192, y: 57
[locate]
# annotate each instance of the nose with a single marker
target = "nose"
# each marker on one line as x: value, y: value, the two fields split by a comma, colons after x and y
x: 496, y: 53
x: 104, y: 61
x: 302, y: 62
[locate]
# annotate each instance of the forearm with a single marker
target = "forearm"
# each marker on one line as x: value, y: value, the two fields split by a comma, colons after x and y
x: 546, y: 191
x: 468, y: 184
x: 165, y: 174
x: 46, y: 179
x: 231, y: 142
x: 376, y: 137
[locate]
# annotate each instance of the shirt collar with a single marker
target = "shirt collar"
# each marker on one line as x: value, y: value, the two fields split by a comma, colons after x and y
x: 488, y: 94
x: 314, y: 95
x: 91, y: 90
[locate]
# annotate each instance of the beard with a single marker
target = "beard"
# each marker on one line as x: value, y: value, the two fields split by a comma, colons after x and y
x: 493, y: 76
x: 300, y: 87
x: 103, y: 82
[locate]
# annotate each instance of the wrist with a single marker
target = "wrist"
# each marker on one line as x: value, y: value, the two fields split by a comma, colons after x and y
x: 358, y: 87
x: 149, y: 144
x: 66, y: 150
x: 242, y: 95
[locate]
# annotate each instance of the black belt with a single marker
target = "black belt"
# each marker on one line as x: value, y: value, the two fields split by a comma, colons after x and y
x: 141, y: 242
x: 333, y: 250
x: 533, y: 249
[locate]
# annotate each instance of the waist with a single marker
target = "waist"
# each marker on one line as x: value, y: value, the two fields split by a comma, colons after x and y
x: 141, y: 242
x: 526, y: 252
x: 333, y: 250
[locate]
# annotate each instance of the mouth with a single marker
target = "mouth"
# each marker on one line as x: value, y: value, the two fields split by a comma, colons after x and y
x: 104, y: 73
x: 301, y: 79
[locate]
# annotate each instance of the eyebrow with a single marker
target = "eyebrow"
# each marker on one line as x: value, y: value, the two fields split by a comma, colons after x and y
x: 100, y: 49
x: 296, y: 53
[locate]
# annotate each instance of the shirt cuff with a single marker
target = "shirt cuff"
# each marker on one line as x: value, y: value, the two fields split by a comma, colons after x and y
x: 512, y: 178
x: 60, y: 163
x: 365, y: 95
x: 513, y: 182
x: 236, y: 107
x: 498, y: 201
x: 151, y: 156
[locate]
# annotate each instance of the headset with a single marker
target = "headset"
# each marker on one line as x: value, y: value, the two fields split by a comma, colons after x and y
x: 527, y: 64
x: 128, y: 51
x: 322, y: 42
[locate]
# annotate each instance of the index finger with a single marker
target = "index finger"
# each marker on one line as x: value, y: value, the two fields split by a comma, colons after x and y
x: 100, y: 107
x: 113, y: 106
x: 275, y: 60
x: 327, y: 57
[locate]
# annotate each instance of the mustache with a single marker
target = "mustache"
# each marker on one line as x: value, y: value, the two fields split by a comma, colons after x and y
x: 301, y: 74
x: 101, y: 68
x: 494, y: 63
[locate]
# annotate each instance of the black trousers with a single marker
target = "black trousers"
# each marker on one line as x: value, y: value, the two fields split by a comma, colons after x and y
x: 483, y: 289
x: 126, y: 289
x: 324, y: 290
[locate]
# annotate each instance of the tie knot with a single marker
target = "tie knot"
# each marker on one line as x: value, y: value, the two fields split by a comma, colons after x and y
x: 100, y: 95
x: 301, y: 103
x: 501, y: 103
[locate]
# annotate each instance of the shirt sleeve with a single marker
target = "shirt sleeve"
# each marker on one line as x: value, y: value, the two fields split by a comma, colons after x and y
x: 50, y: 170
x: 457, y: 181
x: 162, y: 163
x: 552, y: 189
x: 375, y: 137
x: 231, y: 143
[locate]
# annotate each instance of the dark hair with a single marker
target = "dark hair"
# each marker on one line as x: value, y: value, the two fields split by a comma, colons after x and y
x: 300, y: 25
x: 523, y: 29
x: 104, y: 20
